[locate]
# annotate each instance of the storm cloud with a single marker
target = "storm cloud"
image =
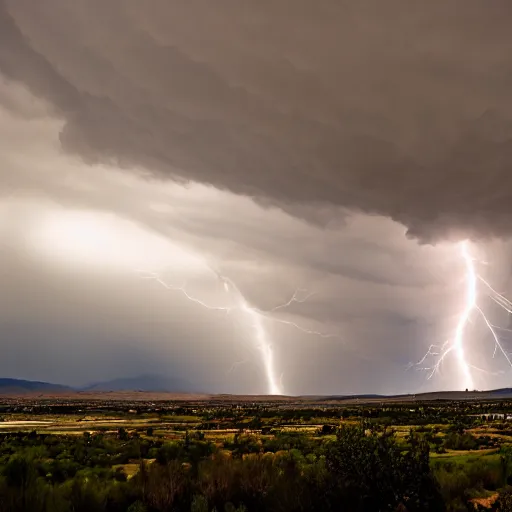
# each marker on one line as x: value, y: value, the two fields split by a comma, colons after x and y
x: 340, y: 147
x: 397, y: 109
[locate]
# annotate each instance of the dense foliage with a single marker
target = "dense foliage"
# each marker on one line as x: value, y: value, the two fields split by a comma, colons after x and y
x: 260, y: 458
x: 358, y: 470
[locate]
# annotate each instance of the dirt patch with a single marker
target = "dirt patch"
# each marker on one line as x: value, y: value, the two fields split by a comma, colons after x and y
x: 485, y: 502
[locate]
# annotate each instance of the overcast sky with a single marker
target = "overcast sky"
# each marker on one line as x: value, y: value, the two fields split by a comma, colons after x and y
x: 171, y: 172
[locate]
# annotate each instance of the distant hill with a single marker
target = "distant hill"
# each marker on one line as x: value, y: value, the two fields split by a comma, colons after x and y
x: 151, y: 383
x: 495, y: 394
x: 343, y: 397
x: 163, y: 384
x: 19, y: 386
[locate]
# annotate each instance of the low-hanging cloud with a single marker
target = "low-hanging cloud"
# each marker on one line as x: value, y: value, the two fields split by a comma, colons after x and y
x: 397, y: 108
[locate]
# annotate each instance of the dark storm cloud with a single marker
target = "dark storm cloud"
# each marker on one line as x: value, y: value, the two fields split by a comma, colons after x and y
x: 323, y: 110
x: 397, y: 108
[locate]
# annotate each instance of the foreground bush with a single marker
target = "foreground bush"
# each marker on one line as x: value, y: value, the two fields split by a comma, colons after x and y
x: 358, y: 471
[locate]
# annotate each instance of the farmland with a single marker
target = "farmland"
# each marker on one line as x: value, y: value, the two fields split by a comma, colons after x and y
x: 146, y: 453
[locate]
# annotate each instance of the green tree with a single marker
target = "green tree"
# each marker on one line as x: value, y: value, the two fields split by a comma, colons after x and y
x: 20, y: 474
x: 370, y: 472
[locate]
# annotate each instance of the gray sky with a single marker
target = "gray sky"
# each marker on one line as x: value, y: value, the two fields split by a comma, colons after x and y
x: 239, y: 151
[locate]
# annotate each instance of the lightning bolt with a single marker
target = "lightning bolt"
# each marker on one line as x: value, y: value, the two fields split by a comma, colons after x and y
x: 456, y: 345
x: 183, y: 290
x: 263, y: 344
x: 294, y: 298
x: 255, y: 319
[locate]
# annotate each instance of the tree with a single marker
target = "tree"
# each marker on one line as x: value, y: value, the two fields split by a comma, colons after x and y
x: 370, y: 472
x: 20, y: 473
x: 138, y: 506
x: 327, y: 429
x: 504, y: 502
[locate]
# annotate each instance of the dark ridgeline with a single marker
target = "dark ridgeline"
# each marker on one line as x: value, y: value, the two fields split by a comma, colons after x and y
x: 15, y: 386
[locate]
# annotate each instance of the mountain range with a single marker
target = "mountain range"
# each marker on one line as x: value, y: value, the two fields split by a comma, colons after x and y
x: 153, y: 383
x: 147, y: 383
x: 162, y: 384
x: 19, y: 386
